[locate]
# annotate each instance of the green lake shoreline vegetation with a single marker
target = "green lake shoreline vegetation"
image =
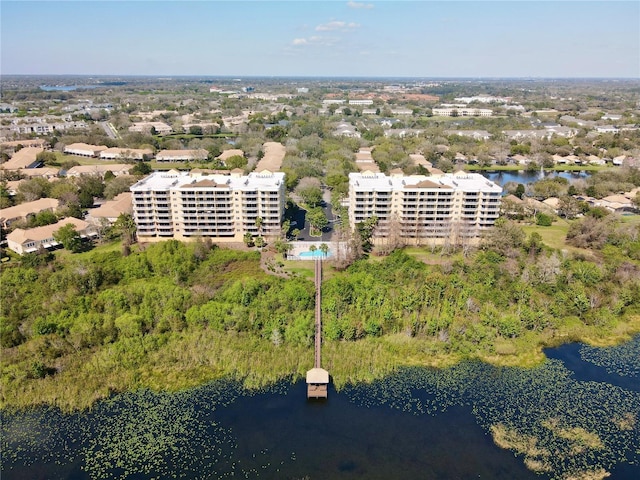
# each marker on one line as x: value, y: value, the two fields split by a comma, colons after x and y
x: 79, y: 327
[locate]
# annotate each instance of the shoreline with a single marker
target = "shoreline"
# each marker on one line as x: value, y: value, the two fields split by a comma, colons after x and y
x: 232, y: 356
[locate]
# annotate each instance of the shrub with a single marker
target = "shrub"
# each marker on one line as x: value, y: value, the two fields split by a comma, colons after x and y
x: 544, y: 220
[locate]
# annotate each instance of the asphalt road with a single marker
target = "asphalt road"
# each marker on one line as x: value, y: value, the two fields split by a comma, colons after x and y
x: 303, y: 225
x: 110, y: 130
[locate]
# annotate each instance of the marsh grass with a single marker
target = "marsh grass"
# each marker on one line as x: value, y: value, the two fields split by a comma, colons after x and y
x: 598, y: 474
x: 559, y: 426
x: 182, y: 360
x: 536, y: 458
x: 579, y: 438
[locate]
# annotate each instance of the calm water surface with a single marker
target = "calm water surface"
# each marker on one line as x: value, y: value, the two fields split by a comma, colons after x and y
x: 525, y: 177
x: 416, y: 424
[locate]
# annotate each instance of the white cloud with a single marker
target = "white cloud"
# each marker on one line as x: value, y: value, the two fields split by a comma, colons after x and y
x: 315, y: 40
x: 360, y: 5
x: 336, y: 25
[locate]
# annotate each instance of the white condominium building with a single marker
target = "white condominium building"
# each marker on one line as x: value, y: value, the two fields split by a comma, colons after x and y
x: 420, y: 209
x: 183, y: 205
x: 461, y: 111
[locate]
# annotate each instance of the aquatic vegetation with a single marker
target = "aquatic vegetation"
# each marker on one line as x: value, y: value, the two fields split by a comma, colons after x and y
x: 536, y: 459
x: 138, y: 434
x: 598, y: 474
x: 25, y: 432
x: 151, y: 434
x: 557, y: 424
x: 561, y: 428
x: 621, y: 359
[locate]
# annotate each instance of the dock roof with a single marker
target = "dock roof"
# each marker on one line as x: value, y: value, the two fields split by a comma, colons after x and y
x: 317, y: 375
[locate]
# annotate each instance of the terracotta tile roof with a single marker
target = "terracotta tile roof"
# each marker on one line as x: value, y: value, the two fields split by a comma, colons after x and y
x: 23, y: 158
x: 20, y: 235
x: 205, y: 183
x: 427, y: 184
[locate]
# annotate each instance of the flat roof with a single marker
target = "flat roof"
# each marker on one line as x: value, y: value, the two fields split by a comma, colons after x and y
x: 461, y: 181
x: 173, y: 179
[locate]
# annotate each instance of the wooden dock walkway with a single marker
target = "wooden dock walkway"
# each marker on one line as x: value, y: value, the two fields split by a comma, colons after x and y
x: 318, y: 336
x: 317, y: 377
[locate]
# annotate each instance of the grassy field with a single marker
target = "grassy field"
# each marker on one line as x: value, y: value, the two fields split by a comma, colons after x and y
x: 553, y: 236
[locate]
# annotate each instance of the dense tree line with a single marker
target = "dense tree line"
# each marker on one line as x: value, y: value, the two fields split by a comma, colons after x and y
x: 95, y: 299
x: 514, y: 285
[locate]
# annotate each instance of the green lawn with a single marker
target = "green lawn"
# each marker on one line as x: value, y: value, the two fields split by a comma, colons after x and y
x: 631, y: 219
x: 554, y: 236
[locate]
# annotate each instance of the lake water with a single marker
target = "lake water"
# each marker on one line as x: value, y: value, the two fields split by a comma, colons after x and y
x: 525, y: 177
x: 416, y: 424
x: 66, y: 88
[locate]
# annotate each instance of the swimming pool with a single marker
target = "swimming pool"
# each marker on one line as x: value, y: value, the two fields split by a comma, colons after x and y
x: 316, y: 254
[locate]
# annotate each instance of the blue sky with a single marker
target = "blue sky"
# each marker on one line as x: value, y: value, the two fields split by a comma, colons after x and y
x: 322, y: 38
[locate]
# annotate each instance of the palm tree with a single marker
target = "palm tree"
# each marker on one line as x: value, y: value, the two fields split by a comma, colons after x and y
x: 313, y: 248
x: 324, y: 248
x: 259, y: 223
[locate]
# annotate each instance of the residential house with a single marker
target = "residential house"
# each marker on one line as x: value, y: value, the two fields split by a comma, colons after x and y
x: 110, y: 210
x: 475, y: 134
x: 561, y: 131
x: 12, y: 186
x: 30, y: 240
x: 345, y: 129
x: 27, y: 142
x: 403, y: 132
x: 161, y: 128
x: 43, y: 128
x: 181, y: 155
x: 126, y: 154
x: 23, y: 158
x: 84, y: 150
x: 418, y: 159
x: 570, y: 119
x: 401, y: 111
x: 526, y: 134
x: 23, y: 211
x: 607, y: 129
x: 360, y: 102
x: 619, y: 203
x: 117, y: 169
x: 227, y: 154
x: 48, y: 173
x: 365, y: 161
